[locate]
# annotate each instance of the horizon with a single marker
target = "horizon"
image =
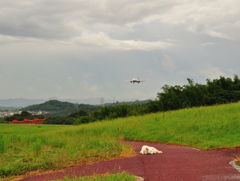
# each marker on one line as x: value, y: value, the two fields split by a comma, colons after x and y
x: 14, y: 103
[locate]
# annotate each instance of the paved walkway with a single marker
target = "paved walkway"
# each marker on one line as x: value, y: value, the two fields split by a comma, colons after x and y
x: 176, y: 163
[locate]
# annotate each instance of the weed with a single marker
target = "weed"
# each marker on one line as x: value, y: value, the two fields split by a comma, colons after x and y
x: 37, y: 146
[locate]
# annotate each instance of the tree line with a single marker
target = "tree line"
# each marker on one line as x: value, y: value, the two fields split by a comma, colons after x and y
x: 22, y: 116
x: 218, y: 91
x: 105, y: 113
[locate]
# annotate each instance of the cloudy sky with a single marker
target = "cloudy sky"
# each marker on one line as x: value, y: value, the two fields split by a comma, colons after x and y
x: 89, y: 48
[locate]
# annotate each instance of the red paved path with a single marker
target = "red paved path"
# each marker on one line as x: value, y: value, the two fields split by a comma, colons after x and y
x: 176, y: 163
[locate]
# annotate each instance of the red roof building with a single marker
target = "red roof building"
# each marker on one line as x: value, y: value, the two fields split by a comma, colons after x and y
x: 26, y: 121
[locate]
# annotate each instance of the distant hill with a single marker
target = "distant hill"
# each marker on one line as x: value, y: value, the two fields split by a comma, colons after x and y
x: 22, y: 102
x: 8, y: 108
x: 19, y: 102
x: 58, y: 108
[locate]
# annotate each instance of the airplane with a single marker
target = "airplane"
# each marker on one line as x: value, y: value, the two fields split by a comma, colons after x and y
x: 134, y: 80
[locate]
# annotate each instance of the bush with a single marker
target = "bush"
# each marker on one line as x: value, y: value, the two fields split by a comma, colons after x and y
x: 84, y: 119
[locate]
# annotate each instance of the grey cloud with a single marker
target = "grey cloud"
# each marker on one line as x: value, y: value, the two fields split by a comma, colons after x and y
x: 64, y: 19
x: 60, y: 19
x: 35, y: 19
x: 87, y: 48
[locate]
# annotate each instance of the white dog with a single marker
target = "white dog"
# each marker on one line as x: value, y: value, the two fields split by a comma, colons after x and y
x: 147, y: 149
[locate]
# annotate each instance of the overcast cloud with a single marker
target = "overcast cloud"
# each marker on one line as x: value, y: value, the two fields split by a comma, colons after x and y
x: 88, y: 48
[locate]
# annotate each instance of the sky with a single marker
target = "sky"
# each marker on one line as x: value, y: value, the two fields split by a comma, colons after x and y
x: 80, y: 49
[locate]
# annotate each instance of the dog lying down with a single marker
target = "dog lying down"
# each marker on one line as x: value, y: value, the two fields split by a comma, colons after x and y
x: 149, y: 150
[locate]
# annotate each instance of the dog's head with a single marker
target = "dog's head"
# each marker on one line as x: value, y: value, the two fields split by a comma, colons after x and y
x: 144, y: 150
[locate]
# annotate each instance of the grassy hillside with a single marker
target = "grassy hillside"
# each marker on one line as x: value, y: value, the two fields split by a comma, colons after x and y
x: 203, y: 128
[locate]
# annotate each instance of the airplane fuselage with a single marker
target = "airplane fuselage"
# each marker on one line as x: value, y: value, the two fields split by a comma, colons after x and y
x: 135, y: 81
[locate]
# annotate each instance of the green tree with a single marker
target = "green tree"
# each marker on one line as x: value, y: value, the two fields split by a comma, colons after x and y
x: 25, y: 114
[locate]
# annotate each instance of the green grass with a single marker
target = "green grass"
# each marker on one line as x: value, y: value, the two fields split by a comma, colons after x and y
x: 29, y: 147
x: 9, y: 129
x: 203, y: 128
x: 54, y: 148
x: 109, y: 177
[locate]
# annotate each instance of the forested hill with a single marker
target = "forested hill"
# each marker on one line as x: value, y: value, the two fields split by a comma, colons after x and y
x: 58, y: 108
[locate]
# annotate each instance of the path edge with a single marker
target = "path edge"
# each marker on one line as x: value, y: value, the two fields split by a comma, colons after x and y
x: 139, y: 178
x: 234, y: 165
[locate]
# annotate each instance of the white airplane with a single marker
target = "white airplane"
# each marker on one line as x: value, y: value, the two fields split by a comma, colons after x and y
x: 134, y: 80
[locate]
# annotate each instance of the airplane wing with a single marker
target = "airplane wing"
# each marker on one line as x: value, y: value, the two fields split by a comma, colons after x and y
x: 144, y: 80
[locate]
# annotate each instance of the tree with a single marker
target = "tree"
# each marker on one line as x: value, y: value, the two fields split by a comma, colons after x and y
x: 25, y: 114
x: 79, y: 113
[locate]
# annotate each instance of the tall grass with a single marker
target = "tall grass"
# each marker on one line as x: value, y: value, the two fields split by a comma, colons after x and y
x: 57, y: 149
x: 203, y: 128
x: 37, y: 146
x: 1, y: 144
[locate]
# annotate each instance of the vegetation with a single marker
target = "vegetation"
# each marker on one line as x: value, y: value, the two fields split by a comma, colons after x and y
x: 53, y: 147
x: 2, y: 121
x: 108, y: 177
x: 219, y: 91
x: 58, y: 108
x: 39, y: 148
x: 128, y: 103
x: 70, y: 119
x: 203, y: 127
x: 104, y: 113
x: 2, y: 108
x: 22, y: 116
